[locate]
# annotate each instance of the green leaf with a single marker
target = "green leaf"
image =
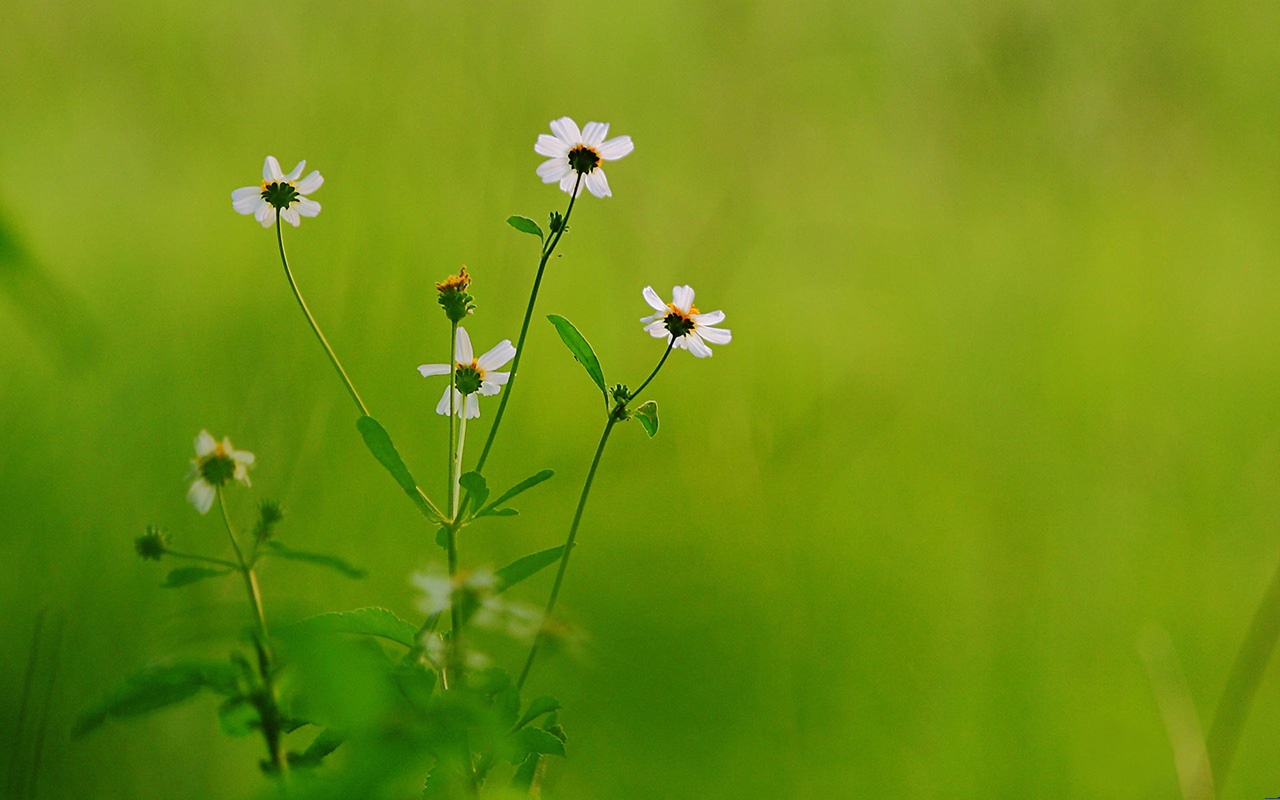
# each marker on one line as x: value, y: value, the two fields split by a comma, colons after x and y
x: 525, y: 225
x: 524, y: 568
x: 364, y: 621
x: 189, y: 575
x: 519, y: 488
x: 647, y: 413
x: 238, y: 717
x: 538, y: 707
x: 379, y: 443
x: 325, y: 743
x: 476, y: 486
x: 158, y: 687
x: 581, y: 350
x: 535, y: 740
x: 501, y: 512
x: 319, y: 559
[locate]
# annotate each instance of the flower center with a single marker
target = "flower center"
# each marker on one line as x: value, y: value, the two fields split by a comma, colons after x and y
x: 469, y: 377
x: 679, y: 323
x: 583, y: 159
x: 217, y: 468
x: 280, y: 194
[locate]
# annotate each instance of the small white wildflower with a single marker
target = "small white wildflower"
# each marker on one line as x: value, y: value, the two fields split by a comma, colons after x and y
x: 437, y: 592
x: 279, y: 192
x: 572, y: 153
x: 215, y: 464
x: 476, y: 376
x: 681, y: 324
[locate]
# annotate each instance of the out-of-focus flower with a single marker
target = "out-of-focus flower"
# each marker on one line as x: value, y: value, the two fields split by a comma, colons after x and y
x: 216, y: 463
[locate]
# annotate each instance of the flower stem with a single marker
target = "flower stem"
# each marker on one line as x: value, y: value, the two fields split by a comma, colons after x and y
x: 547, y: 250
x: 268, y: 708
x: 1242, y: 684
x: 333, y: 358
x: 568, y: 548
x: 207, y: 559
x: 671, y: 344
x: 457, y: 430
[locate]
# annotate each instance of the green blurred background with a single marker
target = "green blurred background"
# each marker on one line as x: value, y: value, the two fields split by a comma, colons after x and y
x: 1002, y: 393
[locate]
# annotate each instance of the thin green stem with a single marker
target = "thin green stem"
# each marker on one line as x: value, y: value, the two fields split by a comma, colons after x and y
x: 653, y: 374
x: 1242, y: 684
x: 456, y: 433
x: 220, y: 561
x: 547, y: 250
x: 568, y: 548
x: 333, y: 358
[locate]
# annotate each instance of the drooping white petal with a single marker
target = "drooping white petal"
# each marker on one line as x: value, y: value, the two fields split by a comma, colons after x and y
x: 554, y: 170
x: 715, y: 335
x: 616, y: 148
x: 489, y: 388
x: 201, y: 495
x: 657, y: 329
x: 242, y: 456
x: 497, y: 377
x: 463, y: 353
x: 271, y: 170
x: 266, y: 214
x: 442, y: 407
x: 709, y: 318
x: 550, y: 146
x: 246, y: 199
x: 429, y: 370
x: 241, y: 473
x: 310, y: 183
x: 290, y: 215
x: 205, y: 444
x: 567, y: 183
x: 566, y: 130
x: 296, y: 171
x: 695, y: 345
x: 593, y: 133
x: 473, y: 406
x: 498, y: 356
x: 597, y: 184
x: 655, y: 302
x: 308, y: 207
x: 682, y: 298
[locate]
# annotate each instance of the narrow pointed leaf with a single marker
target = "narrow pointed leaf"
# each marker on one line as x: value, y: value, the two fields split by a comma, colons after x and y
x: 519, y: 488
x: 158, y: 687
x: 513, y: 573
x: 477, y: 487
x: 325, y: 743
x: 538, y: 707
x: 525, y: 225
x: 647, y: 413
x: 581, y: 350
x: 186, y: 576
x: 379, y: 443
x: 364, y: 621
x: 319, y: 559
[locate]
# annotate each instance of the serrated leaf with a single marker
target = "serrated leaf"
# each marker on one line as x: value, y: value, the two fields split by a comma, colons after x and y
x: 379, y: 443
x: 158, y: 687
x: 238, y: 717
x: 185, y: 576
x: 581, y: 350
x: 521, y: 487
x: 370, y: 621
x: 476, y: 486
x: 525, y: 225
x: 647, y: 413
x: 319, y: 559
x: 537, y: 707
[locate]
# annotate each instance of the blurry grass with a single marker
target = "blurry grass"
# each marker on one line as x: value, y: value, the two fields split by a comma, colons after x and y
x: 1002, y: 391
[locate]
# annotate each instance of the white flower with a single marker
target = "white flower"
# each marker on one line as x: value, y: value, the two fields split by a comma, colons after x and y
x: 438, y: 589
x: 279, y: 192
x: 681, y: 323
x: 571, y: 153
x: 475, y: 376
x: 215, y: 464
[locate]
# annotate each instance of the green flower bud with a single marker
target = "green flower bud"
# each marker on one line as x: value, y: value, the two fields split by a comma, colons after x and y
x: 453, y: 297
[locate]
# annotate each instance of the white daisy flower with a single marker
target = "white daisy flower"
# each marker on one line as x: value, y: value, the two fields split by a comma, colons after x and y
x: 571, y: 153
x: 279, y: 192
x: 476, y: 376
x: 682, y: 324
x: 437, y: 589
x: 216, y: 463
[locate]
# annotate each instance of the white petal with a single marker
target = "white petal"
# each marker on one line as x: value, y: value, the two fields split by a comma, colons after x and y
x: 593, y: 133
x: 443, y: 406
x: 428, y: 370
x: 205, y: 444
x: 489, y: 388
x: 308, y: 207
x: 266, y: 214
x: 290, y: 215
x: 682, y: 297
x: 201, y: 495
x: 498, y: 356
x: 241, y: 474
x: 473, y: 406
x: 246, y: 200
x: 296, y: 171
x: 242, y: 456
x: 554, y: 170
x: 550, y: 146
x: 597, y: 184
x: 616, y: 148
x: 497, y: 377
x: 709, y: 318
x: 567, y: 183
x: 657, y: 330
x: 695, y: 345
x: 310, y: 183
x: 566, y: 130
x: 655, y: 302
x: 715, y: 335
x: 271, y: 170
x: 463, y: 353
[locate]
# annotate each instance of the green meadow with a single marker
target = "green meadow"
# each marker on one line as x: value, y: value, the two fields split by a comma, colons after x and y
x: 1002, y: 402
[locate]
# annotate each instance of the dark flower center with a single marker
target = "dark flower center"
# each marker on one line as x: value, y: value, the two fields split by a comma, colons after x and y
x: 583, y: 159
x: 279, y: 194
x: 469, y: 378
x: 217, y: 469
x: 678, y: 324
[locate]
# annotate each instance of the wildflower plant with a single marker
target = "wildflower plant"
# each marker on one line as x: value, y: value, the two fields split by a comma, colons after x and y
x: 466, y: 724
